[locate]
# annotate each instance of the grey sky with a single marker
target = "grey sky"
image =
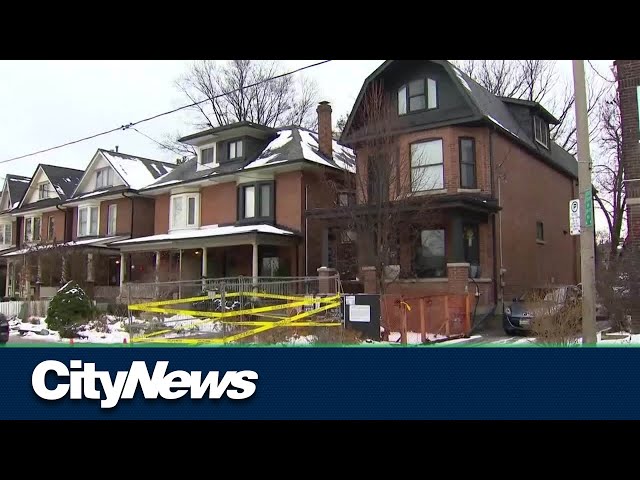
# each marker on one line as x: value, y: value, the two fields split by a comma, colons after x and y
x: 45, y: 103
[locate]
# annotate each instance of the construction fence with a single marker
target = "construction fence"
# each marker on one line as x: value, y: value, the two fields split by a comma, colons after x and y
x: 237, y: 310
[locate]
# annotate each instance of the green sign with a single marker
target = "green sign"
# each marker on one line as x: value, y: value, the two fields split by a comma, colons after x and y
x: 588, y: 208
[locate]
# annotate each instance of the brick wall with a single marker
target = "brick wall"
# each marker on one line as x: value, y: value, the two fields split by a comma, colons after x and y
x: 217, y: 204
x: 161, y: 214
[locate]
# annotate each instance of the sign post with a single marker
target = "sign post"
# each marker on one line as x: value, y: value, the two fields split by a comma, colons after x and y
x: 574, y: 217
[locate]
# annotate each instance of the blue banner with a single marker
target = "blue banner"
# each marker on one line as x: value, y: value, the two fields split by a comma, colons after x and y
x: 319, y: 383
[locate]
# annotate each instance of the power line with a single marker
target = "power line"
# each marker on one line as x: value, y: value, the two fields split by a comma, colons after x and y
x: 153, y: 117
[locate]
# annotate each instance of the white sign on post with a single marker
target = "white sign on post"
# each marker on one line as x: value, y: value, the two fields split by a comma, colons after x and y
x: 574, y: 217
x: 359, y: 313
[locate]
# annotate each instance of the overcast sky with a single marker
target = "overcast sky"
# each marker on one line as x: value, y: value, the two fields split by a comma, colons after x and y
x: 45, y: 103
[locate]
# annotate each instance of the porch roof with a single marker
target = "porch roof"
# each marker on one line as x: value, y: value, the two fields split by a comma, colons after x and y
x: 206, y: 232
x: 100, y: 242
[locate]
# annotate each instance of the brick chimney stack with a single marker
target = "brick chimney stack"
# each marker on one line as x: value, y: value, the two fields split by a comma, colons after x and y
x: 325, y: 131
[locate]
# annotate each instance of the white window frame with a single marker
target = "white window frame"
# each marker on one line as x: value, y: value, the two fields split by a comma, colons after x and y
x: 235, y: 144
x: 111, y: 230
x: 31, y: 221
x: 430, y: 94
x: 544, y: 131
x: 88, y: 232
x: 7, y: 240
x: 50, y: 219
x: 424, y: 167
x: 214, y: 163
x: 184, y: 198
x: 43, y: 193
x: 107, y: 172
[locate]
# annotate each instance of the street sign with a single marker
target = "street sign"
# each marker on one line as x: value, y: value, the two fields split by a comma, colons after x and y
x: 588, y: 208
x: 574, y: 217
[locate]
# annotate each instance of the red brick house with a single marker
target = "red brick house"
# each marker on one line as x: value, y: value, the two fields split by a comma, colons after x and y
x: 498, y: 188
x: 238, y: 207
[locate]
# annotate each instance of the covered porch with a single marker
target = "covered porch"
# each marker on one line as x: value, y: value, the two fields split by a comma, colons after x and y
x: 249, y: 251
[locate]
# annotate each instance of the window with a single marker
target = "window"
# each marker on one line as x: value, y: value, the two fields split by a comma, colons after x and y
x: 472, y: 247
x: 270, y: 266
x: 235, y: 149
x: 348, y: 236
x: 541, y: 131
x: 540, y: 231
x: 427, y: 166
x: 43, y: 191
x: 417, y: 95
x: 467, y: 148
x: 185, y: 211
x: 112, y: 213
x: 429, y: 260
x: 104, y: 177
x: 88, y: 221
x: 32, y: 229
x: 6, y: 234
x: 206, y: 155
x: 51, y: 228
x: 256, y: 201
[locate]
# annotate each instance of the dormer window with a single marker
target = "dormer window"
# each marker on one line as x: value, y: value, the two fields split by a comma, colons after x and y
x: 43, y: 191
x: 235, y: 149
x: 206, y: 155
x: 104, y: 177
x: 541, y: 131
x: 421, y: 94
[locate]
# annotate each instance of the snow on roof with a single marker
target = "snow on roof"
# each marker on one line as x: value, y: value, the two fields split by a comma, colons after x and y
x: 90, y: 241
x: 307, y: 141
x: 209, y: 231
x: 133, y: 171
x: 26, y: 180
x: 60, y: 191
x: 98, y: 192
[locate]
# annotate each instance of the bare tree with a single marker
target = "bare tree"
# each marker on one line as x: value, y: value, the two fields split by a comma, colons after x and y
x: 539, y: 81
x: 340, y: 124
x: 387, y: 212
x: 282, y: 101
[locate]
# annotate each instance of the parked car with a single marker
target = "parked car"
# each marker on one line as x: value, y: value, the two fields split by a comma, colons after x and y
x: 4, y: 329
x: 519, y: 316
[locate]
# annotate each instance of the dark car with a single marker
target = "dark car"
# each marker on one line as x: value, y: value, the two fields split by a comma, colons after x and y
x: 519, y: 316
x: 4, y: 329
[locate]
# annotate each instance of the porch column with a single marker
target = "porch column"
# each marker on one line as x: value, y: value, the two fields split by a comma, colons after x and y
x: 456, y: 242
x: 157, y: 266
x: 204, y: 267
x: 254, y: 264
x: 63, y: 270
x: 123, y: 263
x: 180, y: 274
x: 91, y: 277
x: 6, y: 280
x: 36, y: 290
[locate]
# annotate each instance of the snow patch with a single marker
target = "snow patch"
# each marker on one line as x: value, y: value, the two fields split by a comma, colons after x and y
x: 132, y: 170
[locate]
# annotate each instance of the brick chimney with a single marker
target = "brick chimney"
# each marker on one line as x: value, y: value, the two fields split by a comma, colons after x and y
x: 325, y: 132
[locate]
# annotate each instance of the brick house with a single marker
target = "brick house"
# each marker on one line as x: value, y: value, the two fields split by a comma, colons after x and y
x: 67, y: 219
x: 498, y: 187
x: 238, y: 207
x: 13, y: 190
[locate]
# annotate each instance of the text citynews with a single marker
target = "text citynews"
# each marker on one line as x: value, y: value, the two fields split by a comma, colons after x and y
x: 83, y: 379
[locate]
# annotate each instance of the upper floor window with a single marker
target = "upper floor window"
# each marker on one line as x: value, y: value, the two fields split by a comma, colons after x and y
x: 207, y: 155
x: 88, y: 220
x: 429, y: 259
x: 235, y: 149
x: 256, y: 201
x: 421, y: 94
x: 427, y: 166
x: 540, y: 231
x: 6, y: 234
x: 541, y: 131
x: 185, y: 211
x: 467, y: 163
x: 43, y: 190
x: 104, y: 177
x: 111, y: 219
x: 32, y: 229
x: 51, y: 228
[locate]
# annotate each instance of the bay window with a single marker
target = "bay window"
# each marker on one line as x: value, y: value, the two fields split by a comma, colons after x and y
x: 32, y: 229
x: 185, y: 211
x: 255, y: 201
x: 427, y: 166
x: 88, y: 220
x: 467, y: 148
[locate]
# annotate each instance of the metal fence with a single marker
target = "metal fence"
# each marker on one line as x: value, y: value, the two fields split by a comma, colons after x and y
x: 280, y: 310
x: 25, y: 309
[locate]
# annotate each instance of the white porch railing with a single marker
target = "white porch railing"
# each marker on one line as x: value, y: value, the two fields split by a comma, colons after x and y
x: 37, y: 308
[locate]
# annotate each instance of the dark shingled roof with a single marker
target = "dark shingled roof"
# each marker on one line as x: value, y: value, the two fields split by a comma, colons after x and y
x: 17, y: 185
x: 156, y: 168
x: 64, y: 180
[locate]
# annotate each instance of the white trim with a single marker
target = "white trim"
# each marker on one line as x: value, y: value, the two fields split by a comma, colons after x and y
x: 115, y: 218
x: 30, y: 220
x: 27, y: 193
x: 90, y: 205
x: 458, y: 264
x: 89, y: 170
x: 3, y: 225
x: 184, y: 197
x: 205, y: 146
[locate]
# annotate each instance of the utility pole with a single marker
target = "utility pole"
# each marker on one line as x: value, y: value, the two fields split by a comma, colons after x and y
x: 587, y: 229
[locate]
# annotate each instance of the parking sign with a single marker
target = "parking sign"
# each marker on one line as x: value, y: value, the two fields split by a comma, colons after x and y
x: 574, y: 217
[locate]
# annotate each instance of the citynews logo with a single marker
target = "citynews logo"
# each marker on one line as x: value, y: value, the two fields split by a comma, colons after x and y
x: 83, y: 379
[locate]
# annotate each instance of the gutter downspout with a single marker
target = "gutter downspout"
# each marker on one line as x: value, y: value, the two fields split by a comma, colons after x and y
x: 497, y: 278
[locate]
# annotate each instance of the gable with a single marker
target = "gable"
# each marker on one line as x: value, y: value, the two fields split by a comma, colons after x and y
x: 5, y: 198
x: 89, y: 179
x: 33, y: 191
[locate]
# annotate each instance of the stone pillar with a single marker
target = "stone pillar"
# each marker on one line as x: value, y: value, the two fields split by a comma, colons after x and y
x: 157, y: 267
x: 327, y: 280
x: 254, y: 262
x: 456, y: 242
x: 204, y: 263
x: 368, y: 277
x: 458, y: 274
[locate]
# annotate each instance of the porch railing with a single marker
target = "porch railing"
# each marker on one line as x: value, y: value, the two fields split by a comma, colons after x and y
x: 26, y: 309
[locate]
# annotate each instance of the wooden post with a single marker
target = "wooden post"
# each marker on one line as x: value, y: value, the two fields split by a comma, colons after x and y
x: 403, y: 332
x: 467, y: 316
x: 423, y: 325
x: 447, y: 330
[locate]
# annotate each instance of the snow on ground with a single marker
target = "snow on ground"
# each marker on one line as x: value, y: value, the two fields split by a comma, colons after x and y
x: 414, y: 337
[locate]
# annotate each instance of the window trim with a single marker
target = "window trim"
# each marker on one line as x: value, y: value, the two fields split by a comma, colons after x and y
x: 51, y: 235
x: 88, y: 206
x: 213, y: 158
x: 31, y: 220
x: 185, y: 198
x: 475, y: 163
x: 3, y: 227
x: 104, y: 170
x: 444, y: 178
x: 115, y: 218
x: 257, y: 202
x: 408, y: 96
x: 235, y: 141
x: 44, y: 190
x: 544, y: 125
